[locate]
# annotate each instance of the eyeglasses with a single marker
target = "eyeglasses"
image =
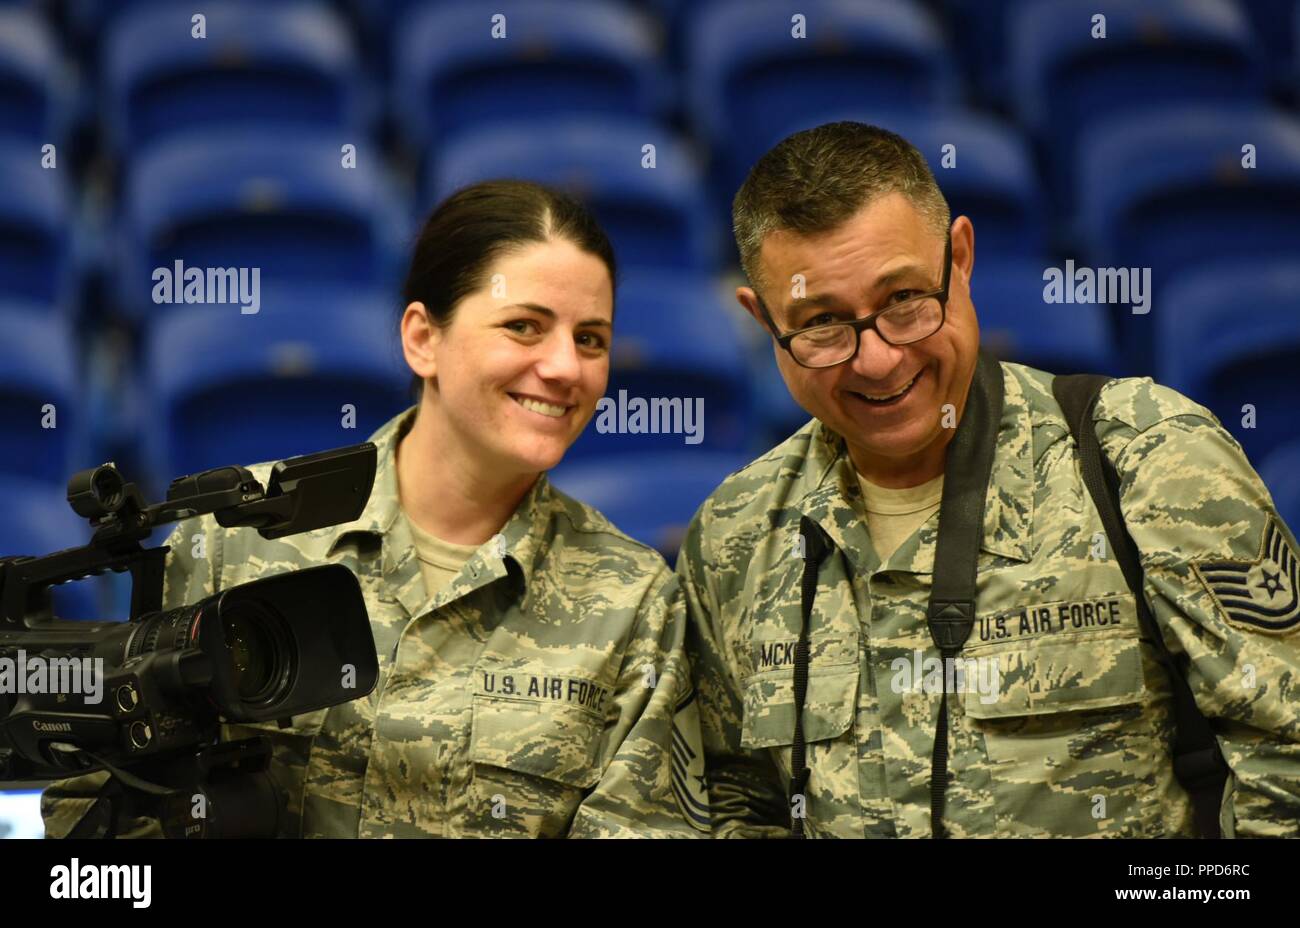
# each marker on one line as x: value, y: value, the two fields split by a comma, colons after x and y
x: 901, y: 324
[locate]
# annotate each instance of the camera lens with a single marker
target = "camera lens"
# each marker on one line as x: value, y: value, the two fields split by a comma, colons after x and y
x: 258, y: 651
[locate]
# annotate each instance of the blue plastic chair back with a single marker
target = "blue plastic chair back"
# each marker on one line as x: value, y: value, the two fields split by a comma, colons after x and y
x: 652, y: 497
x: 34, y: 93
x: 675, y: 347
x: 555, y: 58
x: 749, y: 77
x: 41, y: 426
x: 1229, y: 337
x: 1170, y: 193
x: 35, y: 252
x: 1280, y: 472
x: 281, y: 204
x: 655, y: 215
x: 312, y: 371
x: 1155, y: 54
x: 1018, y: 324
x: 265, y: 65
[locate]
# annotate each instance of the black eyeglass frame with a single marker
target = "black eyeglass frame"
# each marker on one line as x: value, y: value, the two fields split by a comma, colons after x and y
x: 867, y: 322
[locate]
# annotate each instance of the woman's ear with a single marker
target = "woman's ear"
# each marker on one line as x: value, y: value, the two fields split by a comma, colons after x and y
x: 420, y: 339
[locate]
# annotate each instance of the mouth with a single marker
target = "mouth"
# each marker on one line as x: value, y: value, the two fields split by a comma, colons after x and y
x: 541, y: 407
x: 884, y: 400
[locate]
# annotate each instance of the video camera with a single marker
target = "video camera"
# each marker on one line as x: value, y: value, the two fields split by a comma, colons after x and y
x: 145, y: 699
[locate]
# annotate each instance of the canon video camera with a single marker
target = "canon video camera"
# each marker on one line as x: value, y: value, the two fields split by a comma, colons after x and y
x: 145, y: 699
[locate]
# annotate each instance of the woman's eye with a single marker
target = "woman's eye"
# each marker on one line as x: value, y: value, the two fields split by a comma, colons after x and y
x: 523, y: 326
x: 592, y: 340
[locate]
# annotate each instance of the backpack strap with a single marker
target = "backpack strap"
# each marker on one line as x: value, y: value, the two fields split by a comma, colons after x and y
x: 1198, y: 763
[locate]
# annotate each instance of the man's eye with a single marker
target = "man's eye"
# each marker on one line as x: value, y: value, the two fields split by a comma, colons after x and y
x: 592, y: 340
x: 523, y: 326
x: 902, y: 296
x: 819, y: 319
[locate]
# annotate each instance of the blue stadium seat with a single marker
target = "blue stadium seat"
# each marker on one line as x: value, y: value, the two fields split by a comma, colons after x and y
x: 234, y: 389
x: 37, y: 520
x: 279, y: 66
x: 1170, y: 193
x: 1017, y: 324
x: 992, y: 177
x: 654, y: 216
x: 35, y: 250
x: 673, y: 339
x: 1280, y: 472
x: 1155, y: 53
x: 34, y: 86
x: 282, y: 203
x: 749, y: 77
x: 1229, y: 335
x: 558, y: 57
x: 1274, y: 22
x: 651, y: 497
x: 42, y: 428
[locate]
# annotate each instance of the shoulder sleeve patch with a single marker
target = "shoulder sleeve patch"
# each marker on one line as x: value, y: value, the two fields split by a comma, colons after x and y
x: 1259, y: 595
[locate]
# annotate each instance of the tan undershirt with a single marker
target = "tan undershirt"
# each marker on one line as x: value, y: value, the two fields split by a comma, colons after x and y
x: 893, y: 515
x: 440, y: 561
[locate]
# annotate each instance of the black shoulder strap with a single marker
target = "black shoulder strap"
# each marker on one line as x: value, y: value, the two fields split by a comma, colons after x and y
x: 968, y: 464
x: 1198, y: 763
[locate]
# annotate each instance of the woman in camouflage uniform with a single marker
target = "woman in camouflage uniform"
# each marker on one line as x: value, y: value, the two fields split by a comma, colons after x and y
x: 532, y: 678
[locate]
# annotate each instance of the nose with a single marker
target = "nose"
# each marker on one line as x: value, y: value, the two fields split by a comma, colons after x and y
x: 876, y: 360
x: 558, y: 359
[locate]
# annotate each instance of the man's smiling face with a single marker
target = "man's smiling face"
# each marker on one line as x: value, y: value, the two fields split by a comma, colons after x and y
x: 885, y: 253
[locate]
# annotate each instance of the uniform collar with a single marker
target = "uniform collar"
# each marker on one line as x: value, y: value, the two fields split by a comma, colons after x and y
x: 518, y: 549
x: 833, y: 496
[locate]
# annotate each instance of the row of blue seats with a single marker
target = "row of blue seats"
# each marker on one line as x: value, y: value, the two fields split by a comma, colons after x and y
x: 1160, y: 193
x: 293, y: 64
x: 216, y: 385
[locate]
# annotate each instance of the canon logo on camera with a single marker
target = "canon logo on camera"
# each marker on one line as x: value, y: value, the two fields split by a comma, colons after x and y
x: 52, y: 726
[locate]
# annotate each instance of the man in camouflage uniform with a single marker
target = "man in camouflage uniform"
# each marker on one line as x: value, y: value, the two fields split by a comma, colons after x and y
x: 543, y: 692
x: 1064, y: 721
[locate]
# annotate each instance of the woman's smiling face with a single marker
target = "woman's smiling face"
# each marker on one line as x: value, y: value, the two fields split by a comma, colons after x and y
x: 519, y: 369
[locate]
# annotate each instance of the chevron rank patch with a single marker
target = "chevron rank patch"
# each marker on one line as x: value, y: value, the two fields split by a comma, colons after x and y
x: 688, y: 782
x: 1259, y: 595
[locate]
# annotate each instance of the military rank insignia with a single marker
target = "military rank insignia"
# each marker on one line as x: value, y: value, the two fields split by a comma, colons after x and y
x: 1261, y: 594
x: 688, y: 783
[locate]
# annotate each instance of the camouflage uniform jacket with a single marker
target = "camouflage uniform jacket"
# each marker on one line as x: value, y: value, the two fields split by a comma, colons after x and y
x: 543, y: 692
x: 1073, y: 740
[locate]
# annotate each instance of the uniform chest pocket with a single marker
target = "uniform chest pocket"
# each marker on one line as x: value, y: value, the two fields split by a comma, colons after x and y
x: 829, y: 704
x: 554, y: 742
x: 1069, y: 734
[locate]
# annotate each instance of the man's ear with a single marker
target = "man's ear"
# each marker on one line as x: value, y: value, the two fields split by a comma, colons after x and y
x: 747, y: 298
x: 963, y: 247
x: 420, y: 339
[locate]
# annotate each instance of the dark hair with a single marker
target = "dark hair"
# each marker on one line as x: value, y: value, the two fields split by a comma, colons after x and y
x: 477, y: 224
x: 816, y: 179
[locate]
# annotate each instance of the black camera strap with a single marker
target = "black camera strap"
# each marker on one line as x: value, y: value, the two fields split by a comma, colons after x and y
x: 1198, y: 763
x: 968, y: 465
